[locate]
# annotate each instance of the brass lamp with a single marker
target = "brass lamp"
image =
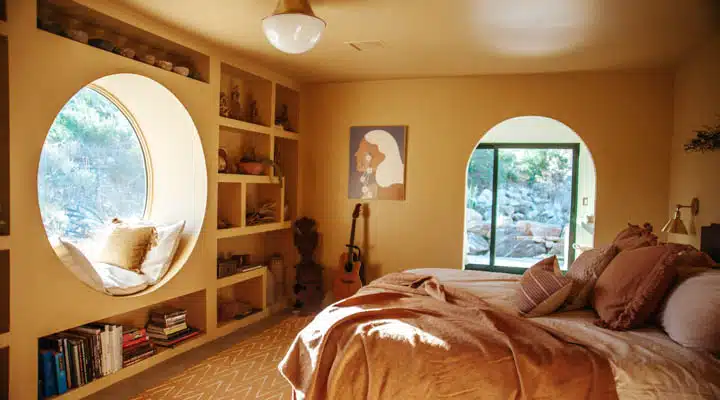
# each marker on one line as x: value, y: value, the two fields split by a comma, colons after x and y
x: 676, y: 225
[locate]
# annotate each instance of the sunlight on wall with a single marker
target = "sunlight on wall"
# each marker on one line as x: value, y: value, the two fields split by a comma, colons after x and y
x: 532, y: 28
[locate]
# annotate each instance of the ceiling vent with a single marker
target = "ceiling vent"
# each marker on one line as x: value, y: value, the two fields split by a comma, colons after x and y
x: 366, y: 45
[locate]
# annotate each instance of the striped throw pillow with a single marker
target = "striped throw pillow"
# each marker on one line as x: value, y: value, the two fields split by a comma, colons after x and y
x: 542, y: 289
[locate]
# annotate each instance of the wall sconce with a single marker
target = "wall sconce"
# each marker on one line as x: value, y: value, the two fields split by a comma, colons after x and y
x: 676, y: 225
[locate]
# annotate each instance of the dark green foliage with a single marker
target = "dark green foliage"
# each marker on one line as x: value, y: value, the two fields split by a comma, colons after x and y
x: 92, y: 168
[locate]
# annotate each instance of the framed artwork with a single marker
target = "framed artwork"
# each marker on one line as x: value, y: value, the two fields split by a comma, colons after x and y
x: 377, y: 162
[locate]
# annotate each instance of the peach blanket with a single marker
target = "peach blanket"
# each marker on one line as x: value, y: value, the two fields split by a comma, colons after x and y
x: 407, y: 336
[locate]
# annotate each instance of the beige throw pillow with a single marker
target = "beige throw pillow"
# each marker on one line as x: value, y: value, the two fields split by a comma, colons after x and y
x: 127, y: 245
x: 542, y: 289
x: 584, y: 272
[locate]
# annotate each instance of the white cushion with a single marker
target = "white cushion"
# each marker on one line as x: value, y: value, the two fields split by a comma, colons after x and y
x: 119, y: 281
x: 158, y: 260
x: 78, y: 264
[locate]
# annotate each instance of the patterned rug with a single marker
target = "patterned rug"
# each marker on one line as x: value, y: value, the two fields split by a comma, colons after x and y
x: 247, y: 370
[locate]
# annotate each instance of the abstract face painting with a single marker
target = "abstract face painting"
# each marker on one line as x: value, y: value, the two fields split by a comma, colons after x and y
x: 377, y: 162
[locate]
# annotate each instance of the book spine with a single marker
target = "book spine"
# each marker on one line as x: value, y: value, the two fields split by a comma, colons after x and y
x: 128, y: 337
x: 60, y: 373
x: 135, y: 342
x: 118, y: 348
x: 74, y: 364
x: 47, y: 372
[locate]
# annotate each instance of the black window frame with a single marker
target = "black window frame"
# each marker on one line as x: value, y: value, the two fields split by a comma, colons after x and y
x: 575, y: 147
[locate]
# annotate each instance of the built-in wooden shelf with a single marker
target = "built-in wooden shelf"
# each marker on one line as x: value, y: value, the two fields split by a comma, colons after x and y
x: 256, y: 179
x: 236, y: 124
x: 4, y: 243
x: 5, y: 340
x: 251, y: 230
x: 241, y: 277
x: 227, y: 327
x: 163, y: 354
x: 176, y: 53
x: 277, y: 132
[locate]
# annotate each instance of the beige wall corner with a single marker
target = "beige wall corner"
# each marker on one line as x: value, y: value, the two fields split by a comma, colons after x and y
x: 697, y: 103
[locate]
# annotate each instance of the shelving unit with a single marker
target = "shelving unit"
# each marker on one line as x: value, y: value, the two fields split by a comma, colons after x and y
x: 194, y: 303
x: 249, y: 287
x: 43, y: 291
x: 61, y: 11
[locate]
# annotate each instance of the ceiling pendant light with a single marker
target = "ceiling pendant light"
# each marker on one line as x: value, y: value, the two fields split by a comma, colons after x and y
x: 293, y: 28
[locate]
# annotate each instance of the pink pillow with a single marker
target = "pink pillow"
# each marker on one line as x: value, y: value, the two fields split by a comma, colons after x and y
x: 584, y: 272
x: 542, y: 289
x: 691, y: 313
x: 630, y: 290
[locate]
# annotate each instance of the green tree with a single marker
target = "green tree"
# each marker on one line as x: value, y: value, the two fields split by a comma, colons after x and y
x: 92, y: 168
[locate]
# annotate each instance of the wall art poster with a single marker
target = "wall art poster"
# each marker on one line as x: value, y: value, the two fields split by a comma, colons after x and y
x: 377, y: 162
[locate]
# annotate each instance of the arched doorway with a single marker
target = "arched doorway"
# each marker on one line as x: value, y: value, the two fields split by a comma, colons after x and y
x: 530, y: 194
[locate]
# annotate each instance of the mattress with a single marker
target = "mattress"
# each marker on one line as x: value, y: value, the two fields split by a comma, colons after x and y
x: 646, y: 363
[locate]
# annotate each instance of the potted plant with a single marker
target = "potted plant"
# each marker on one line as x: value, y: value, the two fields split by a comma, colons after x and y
x: 250, y: 163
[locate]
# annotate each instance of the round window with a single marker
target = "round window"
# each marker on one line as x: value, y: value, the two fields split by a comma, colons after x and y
x: 92, y: 167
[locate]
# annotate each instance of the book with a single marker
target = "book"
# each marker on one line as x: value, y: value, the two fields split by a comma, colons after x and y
x: 177, y: 339
x: 130, y: 334
x: 60, y: 375
x: 138, y: 358
x: 94, y: 351
x: 60, y: 345
x: 165, y: 312
x: 152, y: 329
x: 135, y: 342
x: 46, y: 369
x: 167, y: 322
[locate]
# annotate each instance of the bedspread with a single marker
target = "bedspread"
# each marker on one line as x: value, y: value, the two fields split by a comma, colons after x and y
x: 407, y: 336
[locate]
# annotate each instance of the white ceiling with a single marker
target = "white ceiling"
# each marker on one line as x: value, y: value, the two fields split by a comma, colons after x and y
x: 456, y: 37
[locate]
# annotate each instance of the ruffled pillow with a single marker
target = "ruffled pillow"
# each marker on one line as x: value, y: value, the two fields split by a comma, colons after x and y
x: 635, y: 237
x: 127, y: 245
x: 584, y: 272
x: 630, y: 290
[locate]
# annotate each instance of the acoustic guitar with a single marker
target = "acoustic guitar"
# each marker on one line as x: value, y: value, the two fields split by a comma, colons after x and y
x: 348, y: 280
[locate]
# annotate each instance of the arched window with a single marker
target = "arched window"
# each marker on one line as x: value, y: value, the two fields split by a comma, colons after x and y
x: 92, y: 167
x: 530, y: 195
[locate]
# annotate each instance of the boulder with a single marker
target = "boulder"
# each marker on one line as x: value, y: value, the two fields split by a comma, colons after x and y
x: 473, y: 220
x: 533, y: 228
x: 477, y: 244
x: 510, y: 246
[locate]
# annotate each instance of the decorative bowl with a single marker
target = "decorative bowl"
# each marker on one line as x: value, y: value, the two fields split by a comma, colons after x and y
x: 184, y: 71
x: 78, y: 35
x: 251, y: 167
x: 148, y: 59
x: 166, y: 65
x: 127, y: 52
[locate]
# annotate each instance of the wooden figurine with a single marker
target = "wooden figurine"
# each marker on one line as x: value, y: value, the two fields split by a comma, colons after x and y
x: 309, y: 281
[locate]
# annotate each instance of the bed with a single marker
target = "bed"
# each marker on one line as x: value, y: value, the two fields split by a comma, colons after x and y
x: 451, y: 334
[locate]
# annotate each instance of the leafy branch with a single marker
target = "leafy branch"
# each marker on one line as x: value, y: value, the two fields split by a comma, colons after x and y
x: 708, y: 139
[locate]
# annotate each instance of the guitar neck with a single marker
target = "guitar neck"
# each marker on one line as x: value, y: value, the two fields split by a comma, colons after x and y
x: 352, y: 239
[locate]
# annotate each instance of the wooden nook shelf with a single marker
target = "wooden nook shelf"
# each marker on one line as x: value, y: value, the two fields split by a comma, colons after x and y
x: 251, y: 230
x: 241, y: 277
x: 236, y: 124
x: 255, y: 179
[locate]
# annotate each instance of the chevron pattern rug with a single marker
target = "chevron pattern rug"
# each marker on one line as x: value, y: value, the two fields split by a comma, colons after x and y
x: 248, y: 370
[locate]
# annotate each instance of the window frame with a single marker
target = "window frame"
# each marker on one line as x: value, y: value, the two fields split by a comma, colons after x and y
x: 575, y: 147
x: 141, y: 140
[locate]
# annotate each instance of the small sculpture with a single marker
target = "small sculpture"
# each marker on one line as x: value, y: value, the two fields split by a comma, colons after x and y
x: 253, y: 116
x: 235, y: 106
x: 309, y: 282
x: 224, y: 105
x: 282, y: 119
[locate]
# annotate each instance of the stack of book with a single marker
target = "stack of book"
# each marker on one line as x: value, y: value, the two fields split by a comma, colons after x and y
x: 78, y: 356
x: 136, y: 346
x: 168, y: 327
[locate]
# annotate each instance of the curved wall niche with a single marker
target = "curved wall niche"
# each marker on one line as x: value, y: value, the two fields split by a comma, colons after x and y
x: 177, y: 177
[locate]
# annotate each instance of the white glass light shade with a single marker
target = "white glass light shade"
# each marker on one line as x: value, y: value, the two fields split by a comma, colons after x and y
x: 293, y: 33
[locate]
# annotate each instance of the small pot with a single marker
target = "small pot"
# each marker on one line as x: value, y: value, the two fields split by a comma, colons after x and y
x: 184, y: 71
x: 148, y: 59
x: 166, y: 65
x: 251, y: 167
x: 101, y: 43
x: 78, y: 35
